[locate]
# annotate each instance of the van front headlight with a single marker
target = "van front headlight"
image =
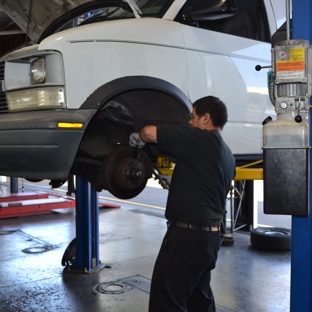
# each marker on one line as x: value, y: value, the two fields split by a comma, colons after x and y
x: 37, y: 71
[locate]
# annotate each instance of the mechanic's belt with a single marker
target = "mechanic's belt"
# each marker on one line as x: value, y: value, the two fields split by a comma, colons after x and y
x: 208, y: 228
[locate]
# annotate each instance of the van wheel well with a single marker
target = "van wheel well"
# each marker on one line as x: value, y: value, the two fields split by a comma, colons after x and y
x: 112, y: 125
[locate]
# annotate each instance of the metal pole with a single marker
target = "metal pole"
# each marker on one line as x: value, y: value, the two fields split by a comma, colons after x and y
x: 288, y: 19
x: 301, y: 266
x: 95, y: 227
x: 13, y: 185
x: 87, y: 227
x: 83, y: 217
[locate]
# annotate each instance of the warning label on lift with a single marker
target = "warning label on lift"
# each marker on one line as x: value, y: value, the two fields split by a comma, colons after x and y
x: 292, y: 68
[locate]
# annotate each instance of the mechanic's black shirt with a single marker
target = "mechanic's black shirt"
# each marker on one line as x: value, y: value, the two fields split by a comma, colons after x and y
x: 202, y: 176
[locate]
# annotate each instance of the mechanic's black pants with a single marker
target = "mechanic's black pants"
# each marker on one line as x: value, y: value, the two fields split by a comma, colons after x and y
x: 182, y: 272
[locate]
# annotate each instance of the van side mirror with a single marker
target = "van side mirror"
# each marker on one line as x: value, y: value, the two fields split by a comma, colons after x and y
x: 212, y: 9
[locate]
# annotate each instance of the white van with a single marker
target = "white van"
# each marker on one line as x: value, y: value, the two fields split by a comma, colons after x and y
x: 69, y: 102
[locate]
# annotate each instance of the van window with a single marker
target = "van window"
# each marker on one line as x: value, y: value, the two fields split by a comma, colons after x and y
x: 250, y: 21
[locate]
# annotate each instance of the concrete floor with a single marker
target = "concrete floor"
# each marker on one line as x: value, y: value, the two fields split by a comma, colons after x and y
x: 245, y: 279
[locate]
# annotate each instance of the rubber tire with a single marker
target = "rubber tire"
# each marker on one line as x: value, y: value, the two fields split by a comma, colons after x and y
x: 271, y: 239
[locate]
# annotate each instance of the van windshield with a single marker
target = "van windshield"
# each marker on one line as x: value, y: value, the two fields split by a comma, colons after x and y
x: 121, y: 9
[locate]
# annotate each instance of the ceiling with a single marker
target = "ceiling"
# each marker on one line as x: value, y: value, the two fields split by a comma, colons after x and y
x: 11, y: 36
x: 5, y: 21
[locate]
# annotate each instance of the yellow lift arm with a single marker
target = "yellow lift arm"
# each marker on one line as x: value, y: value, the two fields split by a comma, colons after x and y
x: 242, y: 172
x: 246, y: 173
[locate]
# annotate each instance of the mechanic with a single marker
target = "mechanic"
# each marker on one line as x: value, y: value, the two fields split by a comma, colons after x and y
x: 195, y: 207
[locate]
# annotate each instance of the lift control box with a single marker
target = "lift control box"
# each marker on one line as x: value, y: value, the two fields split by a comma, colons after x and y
x: 292, y: 76
x: 286, y: 140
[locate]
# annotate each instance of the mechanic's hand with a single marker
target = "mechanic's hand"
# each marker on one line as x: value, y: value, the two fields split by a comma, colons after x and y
x: 135, y: 140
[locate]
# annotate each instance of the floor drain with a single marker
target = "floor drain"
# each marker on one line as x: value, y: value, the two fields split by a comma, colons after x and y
x: 123, y: 285
x: 113, y: 288
x: 137, y: 281
x: 37, y: 249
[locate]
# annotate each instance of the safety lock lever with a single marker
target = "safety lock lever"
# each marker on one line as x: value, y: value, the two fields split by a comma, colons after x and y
x: 298, y: 118
x: 259, y: 67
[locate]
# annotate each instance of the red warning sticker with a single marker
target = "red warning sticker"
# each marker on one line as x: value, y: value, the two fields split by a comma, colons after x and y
x: 283, y: 66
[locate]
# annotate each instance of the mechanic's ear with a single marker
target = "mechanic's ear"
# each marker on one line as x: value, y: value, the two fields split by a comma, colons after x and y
x: 206, y: 118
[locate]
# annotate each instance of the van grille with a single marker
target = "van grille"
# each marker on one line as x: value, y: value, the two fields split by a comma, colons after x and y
x: 3, y: 102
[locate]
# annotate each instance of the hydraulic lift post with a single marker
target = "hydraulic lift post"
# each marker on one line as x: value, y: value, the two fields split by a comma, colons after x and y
x: 301, y: 265
x: 13, y: 185
x: 87, y: 228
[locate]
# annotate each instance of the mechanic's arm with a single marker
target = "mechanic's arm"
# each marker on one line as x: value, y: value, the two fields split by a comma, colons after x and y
x: 149, y: 134
x: 146, y: 135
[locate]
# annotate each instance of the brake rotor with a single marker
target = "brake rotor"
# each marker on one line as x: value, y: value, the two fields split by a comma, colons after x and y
x: 129, y: 173
x: 125, y: 172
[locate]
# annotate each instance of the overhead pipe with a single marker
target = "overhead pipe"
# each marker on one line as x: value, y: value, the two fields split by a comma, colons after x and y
x: 10, y: 32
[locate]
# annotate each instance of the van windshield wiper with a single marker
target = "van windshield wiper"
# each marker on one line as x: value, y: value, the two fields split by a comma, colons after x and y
x: 134, y: 7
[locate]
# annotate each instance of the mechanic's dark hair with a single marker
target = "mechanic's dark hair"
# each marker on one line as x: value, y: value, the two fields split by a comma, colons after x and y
x: 214, y: 107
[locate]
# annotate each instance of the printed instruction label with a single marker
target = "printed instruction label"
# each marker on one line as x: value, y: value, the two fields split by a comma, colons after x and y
x: 292, y: 68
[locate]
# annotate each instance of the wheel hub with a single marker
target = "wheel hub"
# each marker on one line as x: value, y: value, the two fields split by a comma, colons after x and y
x: 129, y: 173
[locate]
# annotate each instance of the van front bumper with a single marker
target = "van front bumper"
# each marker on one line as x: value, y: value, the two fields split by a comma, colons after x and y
x: 32, y: 146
